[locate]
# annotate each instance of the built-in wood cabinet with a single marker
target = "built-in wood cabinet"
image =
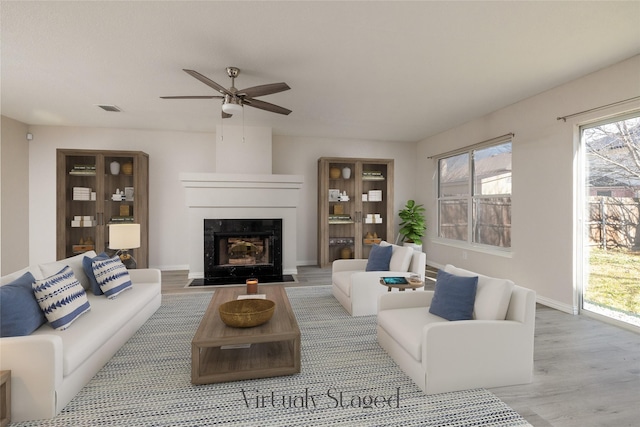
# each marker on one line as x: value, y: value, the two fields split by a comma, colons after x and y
x: 94, y: 189
x: 355, y: 206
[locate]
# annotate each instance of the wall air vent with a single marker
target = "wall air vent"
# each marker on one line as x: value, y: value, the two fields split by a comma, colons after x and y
x: 111, y: 108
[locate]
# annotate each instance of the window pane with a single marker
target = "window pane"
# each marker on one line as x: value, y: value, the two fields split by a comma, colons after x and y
x: 492, y: 170
x: 454, y: 176
x: 492, y: 220
x: 453, y: 219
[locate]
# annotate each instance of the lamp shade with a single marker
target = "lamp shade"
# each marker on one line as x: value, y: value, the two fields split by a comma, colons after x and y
x: 124, y: 236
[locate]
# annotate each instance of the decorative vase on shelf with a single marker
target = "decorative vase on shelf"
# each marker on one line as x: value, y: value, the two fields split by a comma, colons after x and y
x: 345, y: 253
x: 334, y: 173
x: 127, y: 168
x: 346, y: 172
x: 115, y: 168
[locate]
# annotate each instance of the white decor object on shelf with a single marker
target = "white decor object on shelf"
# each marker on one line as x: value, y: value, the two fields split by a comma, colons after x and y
x: 115, y: 168
x: 346, y: 172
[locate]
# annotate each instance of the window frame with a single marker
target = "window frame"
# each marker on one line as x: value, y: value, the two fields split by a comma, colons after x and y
x: 471, y: 198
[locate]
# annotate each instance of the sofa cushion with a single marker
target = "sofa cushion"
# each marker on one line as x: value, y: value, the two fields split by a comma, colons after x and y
x: 88, y: 270
x: 405, y: 325
x: 75, y: 262
x: 62, y: 298
x: 111, y: 275
x: 95, y: 328
x: 492, y: 297
x: 379, y: 258
x: 20, y: 313
x: 400, y: 257
x: 454, y: 296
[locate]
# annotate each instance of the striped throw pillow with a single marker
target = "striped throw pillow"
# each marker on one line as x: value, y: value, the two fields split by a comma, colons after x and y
x: 111, y: 275
x: 61, y: 298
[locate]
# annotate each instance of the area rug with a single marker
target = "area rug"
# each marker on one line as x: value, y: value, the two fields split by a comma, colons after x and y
x: 346, y: 379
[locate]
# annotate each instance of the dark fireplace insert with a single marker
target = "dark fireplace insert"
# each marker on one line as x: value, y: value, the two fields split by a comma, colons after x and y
x: 237, y: 249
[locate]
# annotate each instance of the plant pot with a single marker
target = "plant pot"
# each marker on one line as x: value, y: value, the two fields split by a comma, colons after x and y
x: 417, y: 248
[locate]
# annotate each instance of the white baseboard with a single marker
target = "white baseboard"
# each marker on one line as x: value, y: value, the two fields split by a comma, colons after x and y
x: 557, y: 305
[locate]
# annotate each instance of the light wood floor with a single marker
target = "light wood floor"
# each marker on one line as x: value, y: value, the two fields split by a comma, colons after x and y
x: 587, y: 373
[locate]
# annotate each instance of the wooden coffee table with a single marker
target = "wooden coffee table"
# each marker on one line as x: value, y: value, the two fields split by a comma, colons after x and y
x: 221, y: 353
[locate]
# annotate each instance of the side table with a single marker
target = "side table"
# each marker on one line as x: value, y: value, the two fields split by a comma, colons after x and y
x: 5, y: 398
x: 411, y: 284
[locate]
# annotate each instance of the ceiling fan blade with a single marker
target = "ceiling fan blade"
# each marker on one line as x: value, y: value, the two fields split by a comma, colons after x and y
x: 262, y: 90
x: 256, y: 103
x: 208, y: 82
x: 192, y: 97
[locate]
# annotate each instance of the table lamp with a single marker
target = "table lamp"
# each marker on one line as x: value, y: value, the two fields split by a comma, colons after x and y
x: 124, y: 237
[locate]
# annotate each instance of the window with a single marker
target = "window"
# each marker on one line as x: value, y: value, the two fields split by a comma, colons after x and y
x: 474, y: 195
x: 610, y: 199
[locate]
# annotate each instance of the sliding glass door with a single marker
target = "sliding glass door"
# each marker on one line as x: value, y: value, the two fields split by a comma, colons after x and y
x: 611, y: 211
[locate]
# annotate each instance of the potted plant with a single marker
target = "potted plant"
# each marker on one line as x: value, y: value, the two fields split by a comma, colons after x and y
x: 413, y: 225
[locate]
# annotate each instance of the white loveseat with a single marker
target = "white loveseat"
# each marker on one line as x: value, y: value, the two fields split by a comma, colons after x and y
x: 49, y: 367
x: 358, y: 290
x: 442, y: 356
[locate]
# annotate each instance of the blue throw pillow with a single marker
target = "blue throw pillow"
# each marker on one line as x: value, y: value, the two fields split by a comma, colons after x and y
x: 88, y: 270
x: 379, y: 258
x: 20, y: 313
x: 112, y: 276
x: 454, y: 296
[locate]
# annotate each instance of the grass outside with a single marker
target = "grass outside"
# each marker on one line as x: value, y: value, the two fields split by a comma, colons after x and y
x: 614, y: 280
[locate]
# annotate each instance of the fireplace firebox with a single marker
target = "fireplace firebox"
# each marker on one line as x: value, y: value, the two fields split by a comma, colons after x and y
x: 237, y: 249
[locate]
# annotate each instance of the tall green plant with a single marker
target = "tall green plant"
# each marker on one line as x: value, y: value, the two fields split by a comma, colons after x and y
x: 413, y: 225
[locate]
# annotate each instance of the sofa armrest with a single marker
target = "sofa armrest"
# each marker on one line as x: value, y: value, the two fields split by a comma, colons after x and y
x: 418, y: 263
x: 145, y: 275
x: 35, y: 362
x: 408, y: 299
x: 482, y: 352
x: 349, y: 265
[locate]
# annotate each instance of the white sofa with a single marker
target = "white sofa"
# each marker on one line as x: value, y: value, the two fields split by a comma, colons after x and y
x: 358, y: 290
x: 442, y: 356
x: 49, y: 367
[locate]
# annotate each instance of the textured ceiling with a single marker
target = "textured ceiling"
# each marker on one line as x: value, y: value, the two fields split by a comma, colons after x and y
x: 396, y: 71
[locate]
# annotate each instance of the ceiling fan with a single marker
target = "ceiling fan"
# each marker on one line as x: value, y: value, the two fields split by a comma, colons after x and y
x: 234, y: 99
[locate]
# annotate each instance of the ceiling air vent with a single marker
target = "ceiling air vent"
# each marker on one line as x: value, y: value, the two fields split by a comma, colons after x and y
x: 111, y: 108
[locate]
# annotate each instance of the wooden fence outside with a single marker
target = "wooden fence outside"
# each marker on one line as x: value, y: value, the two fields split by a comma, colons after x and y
x: 614, y: 222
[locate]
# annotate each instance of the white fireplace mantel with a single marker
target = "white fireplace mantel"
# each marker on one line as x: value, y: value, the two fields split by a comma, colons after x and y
x: 241, y: 196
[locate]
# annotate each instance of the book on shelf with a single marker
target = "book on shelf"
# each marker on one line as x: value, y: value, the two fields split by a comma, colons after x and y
x: 87, y: 170
x: 372, y: 176
x: 120, y: 219
x: 336, y: 219
x: 340, y: 216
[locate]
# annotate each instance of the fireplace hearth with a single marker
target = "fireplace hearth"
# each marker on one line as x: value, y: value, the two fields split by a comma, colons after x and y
x: 238, y: 249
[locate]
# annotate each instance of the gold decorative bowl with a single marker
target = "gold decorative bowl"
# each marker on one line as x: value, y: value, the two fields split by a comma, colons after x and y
x: 246, y: 313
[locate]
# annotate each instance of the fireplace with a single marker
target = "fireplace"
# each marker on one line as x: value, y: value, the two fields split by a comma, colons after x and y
x: 237, y: 249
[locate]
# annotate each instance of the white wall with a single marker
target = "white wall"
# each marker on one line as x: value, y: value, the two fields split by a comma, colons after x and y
x: 544, y: 214
x: 14, y: 205
x: 172, y: 153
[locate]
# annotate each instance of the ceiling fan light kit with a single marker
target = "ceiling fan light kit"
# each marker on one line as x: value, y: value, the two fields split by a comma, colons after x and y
x: 235, y: 99
x: 231, y: 105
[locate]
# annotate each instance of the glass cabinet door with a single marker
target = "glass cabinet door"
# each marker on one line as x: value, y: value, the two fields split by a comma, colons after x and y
x: 82, y: 217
